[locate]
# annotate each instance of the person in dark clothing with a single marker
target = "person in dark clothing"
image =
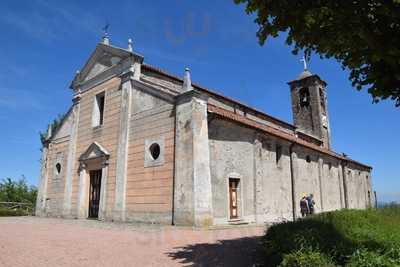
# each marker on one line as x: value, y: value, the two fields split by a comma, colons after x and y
x: 304, y: 208
x: 311, y: 204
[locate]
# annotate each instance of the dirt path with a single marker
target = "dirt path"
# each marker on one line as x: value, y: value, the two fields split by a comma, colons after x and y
x: 31, y: 241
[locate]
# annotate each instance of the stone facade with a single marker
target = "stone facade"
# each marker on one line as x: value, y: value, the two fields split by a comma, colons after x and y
x: 164, y: 150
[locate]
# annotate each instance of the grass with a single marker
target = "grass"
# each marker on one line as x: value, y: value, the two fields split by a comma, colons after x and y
x: 340, y: 238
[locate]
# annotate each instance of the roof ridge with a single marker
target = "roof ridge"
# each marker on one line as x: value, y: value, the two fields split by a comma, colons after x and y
x: 213, y: 92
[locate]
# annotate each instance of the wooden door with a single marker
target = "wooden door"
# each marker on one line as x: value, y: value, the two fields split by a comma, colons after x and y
x: 233, y: 198
x: 94, y: 193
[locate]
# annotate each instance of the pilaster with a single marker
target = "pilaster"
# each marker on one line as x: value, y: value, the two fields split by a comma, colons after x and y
x: 83, y: 192
x: 192, y: 185
x: 320, y: 182
x: 71, y: 158
x: 42, y: 190
x: 119, y: 210
x: 258, y: 186
x: 294, y: 172
x: 103, y: 193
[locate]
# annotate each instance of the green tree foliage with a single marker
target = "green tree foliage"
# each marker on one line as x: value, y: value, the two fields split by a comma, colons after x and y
x: 17, y: 191
x: 363, y: 35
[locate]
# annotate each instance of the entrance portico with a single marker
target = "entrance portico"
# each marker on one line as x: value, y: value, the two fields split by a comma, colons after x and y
x: 93, y: 171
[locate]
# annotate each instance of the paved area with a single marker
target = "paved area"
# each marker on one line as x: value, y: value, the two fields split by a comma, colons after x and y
x: 32, y: 241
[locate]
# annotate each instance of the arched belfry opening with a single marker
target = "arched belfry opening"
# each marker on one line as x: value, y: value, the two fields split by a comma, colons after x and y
x: 93, y: 171
x: 304, y: 97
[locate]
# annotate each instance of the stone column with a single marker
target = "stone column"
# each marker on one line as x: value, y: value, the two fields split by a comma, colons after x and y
x: 103, y: 193
x: 192, y: 185
x: 71, y: 158
x: 119, y: 211
x: 42, y: 189
x: 83, y: 192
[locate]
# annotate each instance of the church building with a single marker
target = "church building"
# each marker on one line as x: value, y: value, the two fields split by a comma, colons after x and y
x: 140, y: 144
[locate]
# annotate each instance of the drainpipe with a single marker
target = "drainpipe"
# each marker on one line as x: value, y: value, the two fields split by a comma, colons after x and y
x: 173, y: 174
x: 293, y: 182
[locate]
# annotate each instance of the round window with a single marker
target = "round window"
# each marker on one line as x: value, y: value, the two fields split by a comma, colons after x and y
x: 58, y: 168
x: 155, y: 151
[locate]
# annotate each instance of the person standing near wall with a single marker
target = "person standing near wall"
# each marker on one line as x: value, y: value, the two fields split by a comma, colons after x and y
x: 304, y: 208
x: 311, y: 203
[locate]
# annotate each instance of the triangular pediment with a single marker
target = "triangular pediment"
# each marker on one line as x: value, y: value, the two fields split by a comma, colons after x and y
x: 94, y: 151
x: 64, y: 129
x: 103, y: 58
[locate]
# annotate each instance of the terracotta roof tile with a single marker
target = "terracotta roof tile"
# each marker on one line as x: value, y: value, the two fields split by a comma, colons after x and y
x: 275, y: 132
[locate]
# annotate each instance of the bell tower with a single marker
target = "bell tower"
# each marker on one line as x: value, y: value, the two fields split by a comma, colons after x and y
x: 309, y: 106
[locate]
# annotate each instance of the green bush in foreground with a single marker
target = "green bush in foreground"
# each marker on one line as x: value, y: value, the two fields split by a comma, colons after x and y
x: 344, y: 238
x: 9, y: 212
x: 306, y: 258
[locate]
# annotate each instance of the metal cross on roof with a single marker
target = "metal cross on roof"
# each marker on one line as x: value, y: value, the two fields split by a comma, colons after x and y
x: 304, y: 60
x: 105, y: 29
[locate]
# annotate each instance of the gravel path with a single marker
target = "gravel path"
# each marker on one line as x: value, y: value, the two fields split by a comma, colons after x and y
x: 32, y: 241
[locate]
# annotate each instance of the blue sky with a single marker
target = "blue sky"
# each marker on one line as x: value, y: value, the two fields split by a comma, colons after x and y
x: 44, y: 42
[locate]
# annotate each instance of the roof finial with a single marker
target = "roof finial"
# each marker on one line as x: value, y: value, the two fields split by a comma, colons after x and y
x: 130, y: 46
x: 304, y: 60
x: 106, y: 39
x: 187, y: 81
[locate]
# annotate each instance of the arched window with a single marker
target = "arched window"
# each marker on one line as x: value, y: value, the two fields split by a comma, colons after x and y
x: 58, y: 168
x: 304, y: 95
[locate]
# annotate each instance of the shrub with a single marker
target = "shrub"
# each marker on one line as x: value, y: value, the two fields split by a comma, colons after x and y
x: 346, y: 237
x: 367, y: 258
x: 307, y: 258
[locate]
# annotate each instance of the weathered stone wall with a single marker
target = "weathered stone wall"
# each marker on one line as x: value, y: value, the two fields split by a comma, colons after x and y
x: 272, y: 179
x: 231, y: 156
x: 265, y: 188
x: 149, y: 182
x: 265, y: 182
x: 358, y: 185
x: 58, y: 152
x: 332, y: 185
x: 106, y: 135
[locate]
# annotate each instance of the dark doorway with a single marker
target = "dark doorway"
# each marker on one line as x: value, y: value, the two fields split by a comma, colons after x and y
x: 233, y: 198
x: 94, y: 193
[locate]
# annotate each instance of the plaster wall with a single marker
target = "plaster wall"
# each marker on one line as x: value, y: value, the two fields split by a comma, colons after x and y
x: 307, y: 180
x: 54, y: 200
x: 149, y: 182
x: 358, y: 186
x: 231, y: 156
x: 106, y: 135
x: 332, y: 193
